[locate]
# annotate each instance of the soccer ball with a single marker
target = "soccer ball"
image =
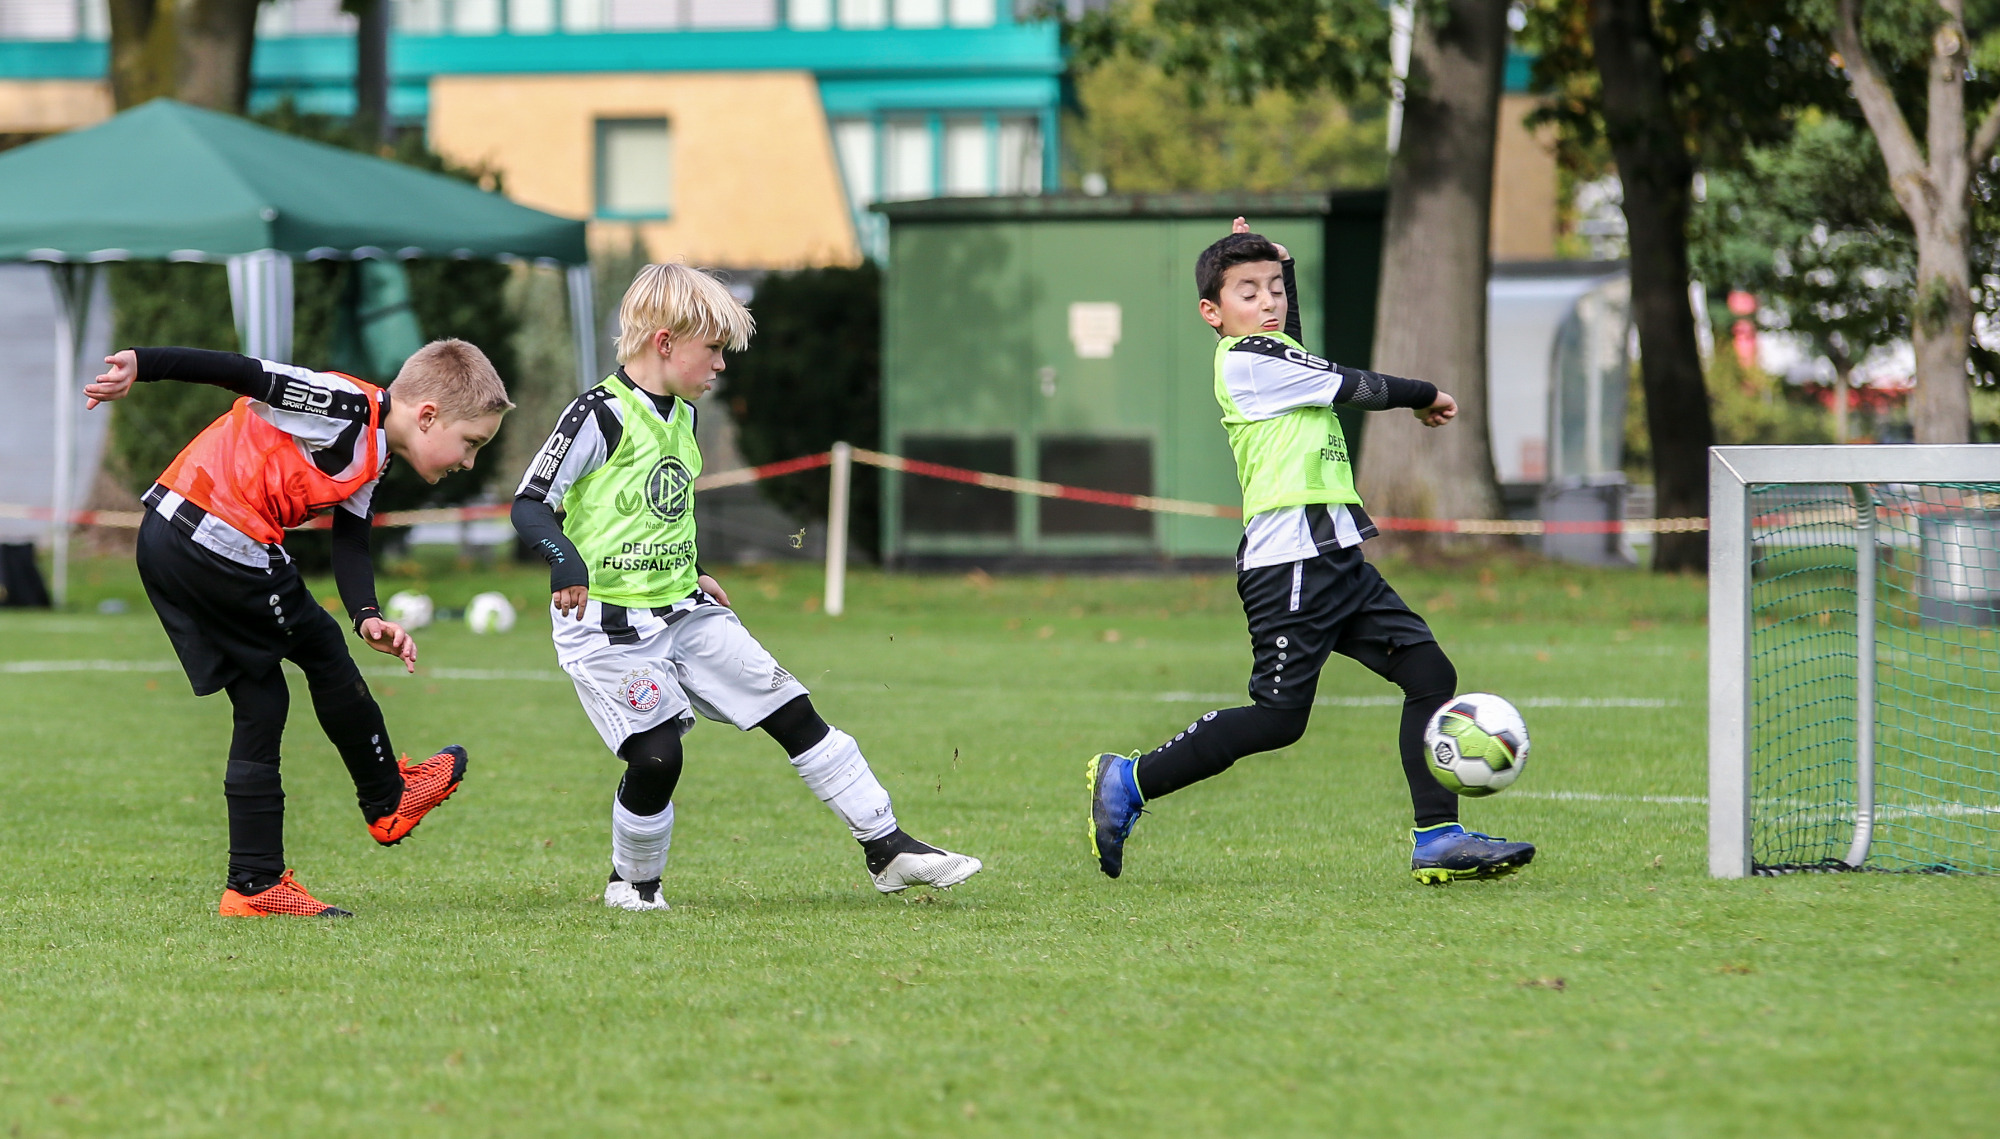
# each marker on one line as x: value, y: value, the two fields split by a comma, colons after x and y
x: 489, y: 613
x: 410, y: 609
x: 1477, y: 744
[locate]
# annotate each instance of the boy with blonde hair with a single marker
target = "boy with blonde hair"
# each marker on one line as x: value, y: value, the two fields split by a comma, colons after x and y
x: 647, y: 637
x: 297, y: 444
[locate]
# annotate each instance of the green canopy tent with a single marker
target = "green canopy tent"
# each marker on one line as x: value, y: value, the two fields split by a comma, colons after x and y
x: 170, y: 182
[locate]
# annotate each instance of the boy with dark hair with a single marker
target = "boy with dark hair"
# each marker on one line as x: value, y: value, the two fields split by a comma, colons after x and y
x: 211, y: 555
x: 647, y: 637
x: 1306, y: 589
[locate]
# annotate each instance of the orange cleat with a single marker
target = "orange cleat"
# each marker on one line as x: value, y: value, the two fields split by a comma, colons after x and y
x: 425, y: 785
x: 286, y: 899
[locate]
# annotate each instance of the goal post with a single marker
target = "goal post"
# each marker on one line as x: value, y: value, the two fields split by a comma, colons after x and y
x: 1854, y: 660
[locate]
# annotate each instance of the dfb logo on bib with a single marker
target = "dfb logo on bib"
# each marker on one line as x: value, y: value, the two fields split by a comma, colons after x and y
x: 667, y: 489
x: 642, y: 692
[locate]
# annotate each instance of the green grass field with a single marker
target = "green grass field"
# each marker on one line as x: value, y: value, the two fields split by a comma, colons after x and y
x: 1265, y: 967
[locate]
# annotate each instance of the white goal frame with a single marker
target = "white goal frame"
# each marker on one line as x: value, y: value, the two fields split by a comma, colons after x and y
x: 1731, y: 473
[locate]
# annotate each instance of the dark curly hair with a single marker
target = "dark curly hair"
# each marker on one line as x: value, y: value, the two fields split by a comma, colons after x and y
x: 1236, y: 249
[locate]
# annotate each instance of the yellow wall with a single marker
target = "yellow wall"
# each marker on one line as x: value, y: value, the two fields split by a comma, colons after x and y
x: 756, y: 184
x: 45, y: 106
x: 1524, y: 186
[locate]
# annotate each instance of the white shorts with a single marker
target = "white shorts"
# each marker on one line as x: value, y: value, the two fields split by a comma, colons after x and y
x: 646, y: 668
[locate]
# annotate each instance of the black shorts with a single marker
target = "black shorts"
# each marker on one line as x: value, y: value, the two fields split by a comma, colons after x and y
x: 1301, y: 611
x: 225, y: 619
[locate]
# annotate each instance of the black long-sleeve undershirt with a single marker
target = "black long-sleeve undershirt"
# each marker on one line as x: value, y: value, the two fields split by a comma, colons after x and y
x: 1371, y: 391
x: 536, y: 521
x: 354, y: 565
x: 240, y: 374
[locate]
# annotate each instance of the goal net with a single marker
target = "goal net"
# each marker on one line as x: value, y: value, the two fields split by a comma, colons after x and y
x: 1854, y: 659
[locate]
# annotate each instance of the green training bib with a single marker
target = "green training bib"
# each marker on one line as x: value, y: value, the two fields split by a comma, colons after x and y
x: 632, y: 519
x: 1296, y: 459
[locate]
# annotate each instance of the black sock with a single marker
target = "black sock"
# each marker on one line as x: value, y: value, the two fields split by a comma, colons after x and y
x: 351, y: 718
x: 1427, y: 679
x: 1211, y: 744
x: 256, y: 796
x: 251, y: 784
x: 652, y: 769
x: 882, y: 851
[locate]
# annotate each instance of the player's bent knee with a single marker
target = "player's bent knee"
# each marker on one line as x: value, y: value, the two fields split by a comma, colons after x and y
x: 1281, y: 727
x: 1424, y: 671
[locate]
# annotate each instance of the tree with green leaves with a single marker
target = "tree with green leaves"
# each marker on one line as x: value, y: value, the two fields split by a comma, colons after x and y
x: 1811, y: 227
x: 1435, y: 260
x: 1890, y: 52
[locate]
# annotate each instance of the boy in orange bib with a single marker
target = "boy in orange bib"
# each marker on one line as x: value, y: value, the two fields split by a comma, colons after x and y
x: 297, y: 444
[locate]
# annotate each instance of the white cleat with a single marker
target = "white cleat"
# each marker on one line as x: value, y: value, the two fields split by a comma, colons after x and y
x: 939, y: 869
x: 623, y: 895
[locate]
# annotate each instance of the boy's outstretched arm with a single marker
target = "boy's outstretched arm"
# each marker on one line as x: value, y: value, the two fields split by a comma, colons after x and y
x: 354, y: 577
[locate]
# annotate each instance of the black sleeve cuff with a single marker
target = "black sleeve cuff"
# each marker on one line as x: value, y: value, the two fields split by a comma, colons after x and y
x: 363, y: 615
x: 239, y: 374
x: 1410, y: 393
x: 536, y: 521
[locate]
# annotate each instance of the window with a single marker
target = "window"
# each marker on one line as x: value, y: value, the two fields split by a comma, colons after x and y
x: 919, y: 13
x: 531, y: 17
x: 634, y: 168
x: 854, y: 142
x: 642, y: 15
x: 1124, y: 466
x: 475, y: 17
x: 1020, y: 156
x: 967, y: 158
x: 907, y: 161
x: 936, y: 506
x: 863, y: 13
x: 810, y: 14
x: 972, y: 13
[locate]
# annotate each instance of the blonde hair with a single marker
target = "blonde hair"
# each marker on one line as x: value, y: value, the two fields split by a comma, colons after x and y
x: 687, y: 303
x: 455, y: 375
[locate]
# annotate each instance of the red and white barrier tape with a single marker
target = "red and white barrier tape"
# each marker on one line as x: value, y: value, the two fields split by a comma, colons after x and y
x: 744, y: 475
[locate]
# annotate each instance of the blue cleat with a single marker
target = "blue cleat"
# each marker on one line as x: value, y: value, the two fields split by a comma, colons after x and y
x: 1115, y: 804
x: 1448, y: 852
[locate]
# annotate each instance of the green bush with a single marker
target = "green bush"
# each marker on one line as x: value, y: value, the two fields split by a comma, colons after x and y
x: 813, y: 377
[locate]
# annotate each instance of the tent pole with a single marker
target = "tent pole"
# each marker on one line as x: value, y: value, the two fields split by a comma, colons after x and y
x: 73, y: 285
x: 583, y: 324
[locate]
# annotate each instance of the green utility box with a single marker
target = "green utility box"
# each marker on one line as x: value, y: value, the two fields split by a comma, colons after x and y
x: 1057, y: 338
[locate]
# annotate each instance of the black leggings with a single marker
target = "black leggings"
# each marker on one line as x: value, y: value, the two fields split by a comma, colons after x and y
x: 348, y: 714
x: 653, y: 757
x: 1211, y: 744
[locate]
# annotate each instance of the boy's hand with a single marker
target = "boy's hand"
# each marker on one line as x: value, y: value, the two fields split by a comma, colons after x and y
x: 573, y: 597
x: 1438, y: 413
x: 120, y: 370
x: 709, y: 587
x: 389, y: 637
x: 1242, y: 226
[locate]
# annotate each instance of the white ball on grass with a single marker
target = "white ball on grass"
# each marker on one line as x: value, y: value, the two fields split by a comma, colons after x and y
x: 410, y: 609
x: 489, y: 613
x: 1477, y: 744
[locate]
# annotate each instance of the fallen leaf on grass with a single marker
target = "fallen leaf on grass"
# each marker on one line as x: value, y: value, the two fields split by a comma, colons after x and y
x: 1556, y: 984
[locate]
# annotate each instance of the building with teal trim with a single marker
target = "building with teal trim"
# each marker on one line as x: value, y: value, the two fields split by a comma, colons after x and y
x: 740, y: 133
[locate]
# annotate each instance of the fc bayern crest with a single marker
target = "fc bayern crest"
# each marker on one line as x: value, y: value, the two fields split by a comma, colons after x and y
x: 667, y: 489
x: 642, y: 692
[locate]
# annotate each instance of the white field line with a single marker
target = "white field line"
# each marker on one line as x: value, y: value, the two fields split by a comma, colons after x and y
x: 387, y: 673
x: 1397, y: 701
x: 1594, y: 797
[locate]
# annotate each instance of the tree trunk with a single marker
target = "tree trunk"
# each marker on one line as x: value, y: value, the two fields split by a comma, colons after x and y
x: 1932, y: 184
x: 1941, y: 405
x: 1431, y: 317
x: 197, y: 51
x: 1657, y: 176
x: 371, y: 70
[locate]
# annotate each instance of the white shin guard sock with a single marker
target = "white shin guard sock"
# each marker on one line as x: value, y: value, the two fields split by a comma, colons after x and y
x: 836, y: 772
x: 639, y: 842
